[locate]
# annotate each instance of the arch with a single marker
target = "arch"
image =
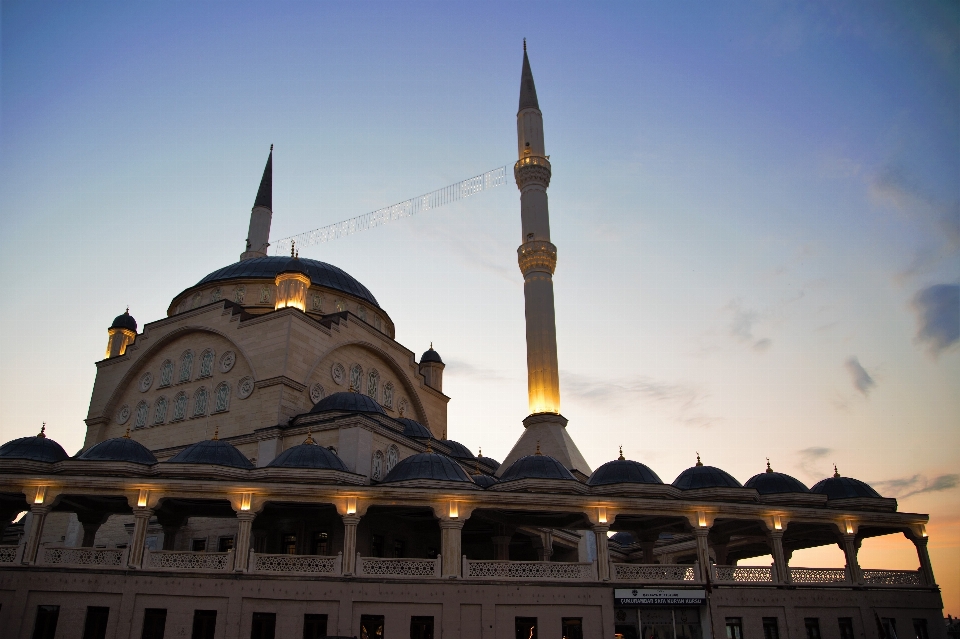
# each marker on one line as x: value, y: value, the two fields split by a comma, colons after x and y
x: 180, y: 406
x: 140, y: 416
x: 166, y: 373
x: 207, y: 358
x: 186, y: 367
x: 222, y: 398
x: 200, y: 401
x: 160, y: 410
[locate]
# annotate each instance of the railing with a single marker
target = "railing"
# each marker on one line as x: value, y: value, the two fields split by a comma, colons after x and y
x: 8, y: 554
x: 397, y: 568
x: 187, y: 560
x: 530, y: 570
x: 818, y: 575
x: 300, y: 564
x: 744, y: 574
x: 655, y: 573
x: 892, y: 578
x: 63, y: 556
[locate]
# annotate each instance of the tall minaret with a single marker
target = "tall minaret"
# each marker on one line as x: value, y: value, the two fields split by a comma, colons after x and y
x: 258, y: 237
x: 538, y: 259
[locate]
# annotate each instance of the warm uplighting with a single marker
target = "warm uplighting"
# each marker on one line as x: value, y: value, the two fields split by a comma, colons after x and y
x: 777, y: 524
x: 117, y: 341
x: 702, y: 518
x: 923, y: 530
x: 543, y: 397
x: 454, y: 510
x: 245, y: 501
x: 41, y: 493
x: 292, y: 291
x: 849, y: 525
x: 351, y: 505
x: 602, y: 514
x: 142, y: 498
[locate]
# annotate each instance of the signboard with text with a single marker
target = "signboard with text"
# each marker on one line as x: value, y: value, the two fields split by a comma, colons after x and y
x: 658, y: 597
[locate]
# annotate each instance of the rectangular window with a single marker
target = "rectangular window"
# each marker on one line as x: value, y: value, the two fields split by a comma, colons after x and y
x: 399, y: 548
x: 421, y: 627
x: 525, y: 627
x: 846, y: 627
x: 314, y: 626
x: 770, y: 628
x: 321, y: 543
x: 204, y: 624
x: 263, y: 626
x: 288, y: 544
x: 920, y: 628
x: 45, y: 627
x: 812, y: 624
x: 224, y: 544
x: 572, y: 628
x: 371, y: 626
x: 95, y: 625
x: 154, y: 623
x: 889, y: 627
x: 734, y: 628
x: 198, y: 545
x: 376, y: 546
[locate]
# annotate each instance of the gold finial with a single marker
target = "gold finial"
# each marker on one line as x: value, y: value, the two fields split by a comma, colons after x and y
x: 429, y: 447
x: 538, y: 448
x: 699, y: 463
x: 620, y: 458
x: 127, y: 434
x: 769, y: 470
x: 836, y: 473
x: 431, y: 345
x: 309, y: 439
x: 43, y: 430
x: 127, y: 312
x: 216, y: 433
x: 480, y: 452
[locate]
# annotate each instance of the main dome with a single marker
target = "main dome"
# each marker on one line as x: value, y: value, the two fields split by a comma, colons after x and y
x: 267, y: 268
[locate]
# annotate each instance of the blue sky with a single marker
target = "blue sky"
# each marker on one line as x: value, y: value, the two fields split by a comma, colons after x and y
x: 757, y: 209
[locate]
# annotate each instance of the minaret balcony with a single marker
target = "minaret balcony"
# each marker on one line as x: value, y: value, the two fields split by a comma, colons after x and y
x: 537, y: 256
x: 532, y: 169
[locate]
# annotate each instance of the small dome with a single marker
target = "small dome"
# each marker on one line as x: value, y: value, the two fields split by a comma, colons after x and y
x: 427, y: 465
x: 701, y: 476
x: 623, y: 471
x: 457, y: 449
x: 413, y: 428
x: 119, y: 449
x: 308, y: 455
x: 39, y: 448
x: 431, y: 356
x: 838, y: 487
x: 623, y: 538
x: 125, y: 321
x: 536, y: 467
x: 213, y: 452
x: 484, y: 481
x: 348, y: 402
x: 770, y: 482
x: 489, y: 461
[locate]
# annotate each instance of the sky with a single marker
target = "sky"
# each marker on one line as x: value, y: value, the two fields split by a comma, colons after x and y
x: 756, y: 207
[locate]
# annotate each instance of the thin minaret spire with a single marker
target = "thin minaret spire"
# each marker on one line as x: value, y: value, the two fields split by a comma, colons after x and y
x: 258, y: 237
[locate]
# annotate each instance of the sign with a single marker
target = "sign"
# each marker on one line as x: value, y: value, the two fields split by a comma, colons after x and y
x: 658, y: 597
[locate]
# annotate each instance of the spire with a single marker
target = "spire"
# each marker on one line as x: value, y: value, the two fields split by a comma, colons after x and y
x: 836, y: 473
x: 265, y: 194
x: 43, y: 431
x: 620, y: 458
x: 699, y: 463
x: 309, y: 439
x: 528, y: 91
x: 769, y: 470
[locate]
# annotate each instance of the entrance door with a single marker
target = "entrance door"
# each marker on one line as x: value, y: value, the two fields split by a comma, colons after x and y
x: 680, y: 622
x: 421, y: 627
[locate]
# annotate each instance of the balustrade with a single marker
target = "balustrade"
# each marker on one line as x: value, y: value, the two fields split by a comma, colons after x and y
x: 530, y: 570
x: 818, y: 575
x: 656, y: 573
x: 744, y: 574
x: 892, y: 577
x: 8, y: 554
x: 299, y: 564
x: 100, y: 557
x: 187, y: 560
x: 397, y: 568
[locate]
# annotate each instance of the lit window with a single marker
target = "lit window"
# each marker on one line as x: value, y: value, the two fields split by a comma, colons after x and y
x: 341, y: 306
x: 166, y: 373
x: 373, y: 384
x: 223, y: 397
x: 239, y: 293
x: 206, y: 363
x: 141, y: 420
x: 180, y: 406
x: 388, y: 395
x: 200, y: 402
x: 160, y: 411
x: 186, y: 366
x: 356, y: 377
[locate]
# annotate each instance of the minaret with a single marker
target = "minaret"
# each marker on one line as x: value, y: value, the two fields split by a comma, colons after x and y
x: 258, y: 237
x: 537, y: 257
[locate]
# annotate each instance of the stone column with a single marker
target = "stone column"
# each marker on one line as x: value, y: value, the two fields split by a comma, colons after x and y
x: 91, y: 523
x: 926, y: 568
x: 241, y: 553
x: 38, y: 513
x: 703, y: 552
x: 849, y: 546
x: 141, y: 518
x: 350, y: 544
x: 501, y: 546
x: 647, y: 548
x: 450, y: 566
x: 603, y: 554
x: 720, y: 550
x: 779, y: 560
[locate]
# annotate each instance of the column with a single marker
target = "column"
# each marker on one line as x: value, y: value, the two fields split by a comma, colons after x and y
x: 545, y: 551
x: 350, y: 544
x: 38, y: 513
x: 501, y: 546
x: 241, y: 553
x: 450, y: 566
x: 703, y: 552
x: 171, y: 526
x: 647, y: 548
x: 779, y: 560
x: 720, y: 550
x: 91, y: 523
x: 849, y: 546
x: 926, y: 568
x: 603, y: 554
x: 141, y: 518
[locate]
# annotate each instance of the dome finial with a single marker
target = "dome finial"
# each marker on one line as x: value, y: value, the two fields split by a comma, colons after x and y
x: 127, y: 434
x: 836, y: 473
x: 699, y: 463
x: 769, y: 470
x: 127, y: 312
x: 293, y: 246
x: 216, y: 433
x: 309, y: 439
x: 429, y: 447
x: 538, y: 448
x: 43, y: 431
x: 431, y: 345
x: 620, y: 458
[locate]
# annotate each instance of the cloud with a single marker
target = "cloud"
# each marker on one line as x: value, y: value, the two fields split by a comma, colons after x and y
x: 938, y: 313
x: 903, y: 487
x: 810, y: 459
x: 860, y: 377
x: 741, y: 326
x: 762, y: 345
x: 894, y: 188
x: 462, y: 368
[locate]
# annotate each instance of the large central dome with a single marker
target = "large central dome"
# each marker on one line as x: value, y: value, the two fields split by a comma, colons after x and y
x: 267, y: 268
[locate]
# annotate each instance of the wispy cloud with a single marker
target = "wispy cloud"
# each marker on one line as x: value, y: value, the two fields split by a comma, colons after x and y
x: 903, y: 487
x: 938, y: 313
x: 811, y: 459
x: 861, y: 379
x: 463, y: 368
x: 895, y: 188
x: 742, y: 324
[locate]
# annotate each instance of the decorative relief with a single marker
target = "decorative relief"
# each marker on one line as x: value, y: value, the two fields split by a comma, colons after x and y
x: 362, y: 313
x: 179, y: 406
x: 83, y: 556
x: 376, y: 471
x: 749, y: 574
x: 160, y: 411
x: 653, y: 572
x: 123, y: 414
x: 186, y: 366
x: 341, y: 306
x: 547, y: 570
x: 393, y: 456
x: 239, y: 293
x: 373, y: 384
x: 227, y: 360
x: 339, y: 374
x: 317, y: 303
x: 206, y: 363
x: 356, y: 377
x: 818, y: 575
x: 313, y: 564
x: 197, y: 299
x: 264, y: 295
x: 398, y: 567
x: 537, y: 256
x: 378, y: 323
x: 403, y: 407
x: 388, y: 395
x: 216, y: 295
x: 316, y: 393
x: 146, y: 381
x: 200, y: 402
x: 245, y: 387
x: 142, y: 410
x: 222, y: 397
x: 166, y: 373
x: 8, y: 554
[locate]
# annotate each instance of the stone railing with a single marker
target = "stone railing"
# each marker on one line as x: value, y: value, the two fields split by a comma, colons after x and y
x: 743, y: 574
x: 529, y: 570
x: 892, y: 578
x: 655, y: 573
x: 8, y: 554
x: 187, y: 560
x: 818, y: 575
x: 100, y: 557
x: 397, y: 568
x: 299, y: 564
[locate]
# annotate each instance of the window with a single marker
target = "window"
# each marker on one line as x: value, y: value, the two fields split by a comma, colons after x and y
x: 770, y: 628
x: 376, y: 546
x: 371, y: 626
x: 525, y: 627
x: 399, y: 548
x: 166, y: 373
x: 160, y: 411
x: 572, y: 628
x: 200, y: 402
x: 889, y: 627
x: 321, y: 543
x: 393, y: 456
x: 388, y: 395
x: 204, y: 624
x: 734, y: 628
x: 141, y: 419
x: 289, y: 544
x: 224, y: 544
x: 45, y: 627
x: 264, y: 625
x: 920, y: 628
x: 314, y: 626
x: 154, y: 623
x: 362, y: 313
x: 186, y: 367
x: 373, y: 384
x: 95, y: 625
x: 222, y: 397
x: 239, y: 293
x: 216, y: 295
x: 179, y: 406
x: 206, y: 363
x: 812, y: 624
x: 421, y: 627
x: 198, y: 545
x: 264, y: 295
x: 356, y: 377
x: 376, y: 472
x: 378, y: 323
x: 341, y: 306
x: 846, y: 627
x: 317, y: 304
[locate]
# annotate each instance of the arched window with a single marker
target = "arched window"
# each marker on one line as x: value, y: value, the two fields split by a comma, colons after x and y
x: 264, y: 295
x: 141, y: 420
x: 317, y: 302
x: 186, y: 366
x: 373, y: 384
x: 206, y: 363
x: 376, y: 472
x: 179, y: 406
x: 160, y: 411
x: 166, y: 373
x: 222, y: 397
x: 341, y: 306
x: 362, y: 313
x: 356, y: 377
x: 216, y: 295
x: 239, y: 293
x: 388, y: 394
x: 393, y: 456
x: 378, y: 323
x: 200, y: 402
x: 197, y: 298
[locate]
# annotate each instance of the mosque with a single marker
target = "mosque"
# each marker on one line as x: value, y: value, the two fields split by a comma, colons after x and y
x: 267, y: 461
